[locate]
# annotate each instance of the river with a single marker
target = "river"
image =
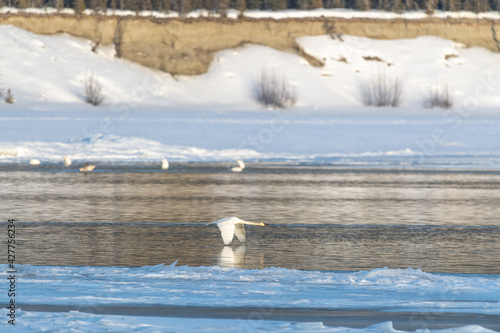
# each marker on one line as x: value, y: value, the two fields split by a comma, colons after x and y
x: 320, y: 217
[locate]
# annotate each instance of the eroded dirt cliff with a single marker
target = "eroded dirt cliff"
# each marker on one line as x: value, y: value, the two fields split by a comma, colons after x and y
x: 187, y: 46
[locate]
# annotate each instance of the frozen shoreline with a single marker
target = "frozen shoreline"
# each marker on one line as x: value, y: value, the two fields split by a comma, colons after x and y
x: 408, y: 321
x: 317, y: 138
x: 150, y: 298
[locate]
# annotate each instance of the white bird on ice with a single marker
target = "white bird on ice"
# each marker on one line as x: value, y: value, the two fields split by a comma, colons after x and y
x: 240, y: 167
x: 164, y: 164
x: 67, y: 160
x: 231, y: 226
x: 34, y: 161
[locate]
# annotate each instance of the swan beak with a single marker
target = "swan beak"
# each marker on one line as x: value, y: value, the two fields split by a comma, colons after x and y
x: 264, y: 224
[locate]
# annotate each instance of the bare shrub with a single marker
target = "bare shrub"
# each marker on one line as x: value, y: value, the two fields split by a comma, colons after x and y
x: 382, y: 91
x: 9, y: 98
x: 272, y: 89
x: 439, y: 96
x: 93, y: 90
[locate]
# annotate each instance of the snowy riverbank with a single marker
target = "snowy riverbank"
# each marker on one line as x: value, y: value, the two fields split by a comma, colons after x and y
x: 148, y: 115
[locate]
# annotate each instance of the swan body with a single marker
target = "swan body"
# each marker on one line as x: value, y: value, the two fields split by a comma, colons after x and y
x: 67, y: 160
x: 240, y: 167
x: 164, y: 164
x: 34, y: 161
x: 231, y: 226
x: 87, y: 168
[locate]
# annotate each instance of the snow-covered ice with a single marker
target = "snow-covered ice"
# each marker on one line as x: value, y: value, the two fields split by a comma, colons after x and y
x: 383, y: 290
x: 319, y: 138
x: 74, y: 321
x: 387, y: 289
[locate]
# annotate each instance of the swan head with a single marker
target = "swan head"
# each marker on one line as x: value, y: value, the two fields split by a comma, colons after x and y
x: 263, y: 224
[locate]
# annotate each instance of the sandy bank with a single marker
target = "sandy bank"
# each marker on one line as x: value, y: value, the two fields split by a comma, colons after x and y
x: 187, y: 46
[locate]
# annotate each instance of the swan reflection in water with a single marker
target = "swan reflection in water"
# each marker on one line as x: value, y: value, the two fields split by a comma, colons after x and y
x: 236, y: 258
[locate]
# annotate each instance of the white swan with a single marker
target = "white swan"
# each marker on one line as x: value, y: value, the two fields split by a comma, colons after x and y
x: 34, y: 161
x: 87, y: 168
x: 67, y: 160
x: 164, y: 164
x: 240, y: 167
x: 231, y: 226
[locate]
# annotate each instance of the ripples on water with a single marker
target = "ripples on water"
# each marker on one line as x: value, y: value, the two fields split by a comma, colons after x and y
x: 322, y: 218
x: 434, y: 249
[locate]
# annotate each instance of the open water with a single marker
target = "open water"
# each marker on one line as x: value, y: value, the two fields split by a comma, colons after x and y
x: 321, y: 217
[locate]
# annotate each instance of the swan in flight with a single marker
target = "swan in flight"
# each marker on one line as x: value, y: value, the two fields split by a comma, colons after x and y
x: 231, y: 226
x: 164, y: 164
x: 87, y: 168
x: 67, y: 160
x: 240, y: 167
x: 34, y: 161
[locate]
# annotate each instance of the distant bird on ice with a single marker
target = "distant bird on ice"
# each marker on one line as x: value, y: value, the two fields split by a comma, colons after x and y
x: 240, y: 167
x: 34, y: 161
x: 67, y: 160
x: 231, y: 226
x: 87, y: 168
x: 164, y: 164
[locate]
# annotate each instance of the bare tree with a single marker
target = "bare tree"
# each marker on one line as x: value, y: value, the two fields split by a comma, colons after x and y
x: 186, y: 6
x: 165, y: 5
x: 79, y: 6
x: 430, y: 6
x: 221, y: 7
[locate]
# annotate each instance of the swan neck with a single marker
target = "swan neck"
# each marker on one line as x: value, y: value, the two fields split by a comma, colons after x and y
x: 252, y: 223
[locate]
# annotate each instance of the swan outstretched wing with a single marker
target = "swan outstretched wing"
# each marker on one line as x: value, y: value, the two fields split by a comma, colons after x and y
x: 227, y: 231
x: 239, y: 231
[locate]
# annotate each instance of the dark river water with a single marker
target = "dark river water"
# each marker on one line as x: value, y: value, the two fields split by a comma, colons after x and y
x: 320, y: 217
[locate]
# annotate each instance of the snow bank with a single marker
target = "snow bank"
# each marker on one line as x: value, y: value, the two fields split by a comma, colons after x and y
x: 148, y: 115
x: 51, y: 74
